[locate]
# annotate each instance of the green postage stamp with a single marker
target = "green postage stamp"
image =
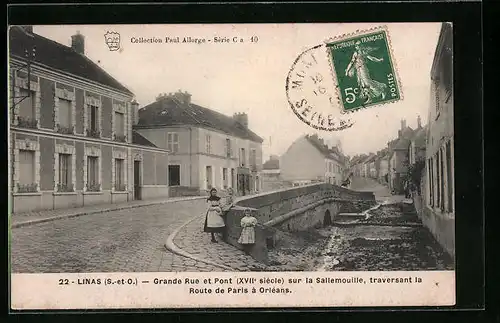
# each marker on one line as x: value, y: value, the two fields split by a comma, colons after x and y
x: 364, y: 69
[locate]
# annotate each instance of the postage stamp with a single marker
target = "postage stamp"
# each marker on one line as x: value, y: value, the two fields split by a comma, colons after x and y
x: 220, y: 166
x: 364, y: 70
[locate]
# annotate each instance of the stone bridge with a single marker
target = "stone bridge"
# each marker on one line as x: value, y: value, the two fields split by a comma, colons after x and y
x: 291, y: 210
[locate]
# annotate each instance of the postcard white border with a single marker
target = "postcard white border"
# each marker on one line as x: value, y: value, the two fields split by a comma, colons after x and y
x: 45, y: 291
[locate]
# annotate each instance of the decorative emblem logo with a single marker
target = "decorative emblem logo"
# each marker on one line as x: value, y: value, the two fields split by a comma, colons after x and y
x: 112, y: 39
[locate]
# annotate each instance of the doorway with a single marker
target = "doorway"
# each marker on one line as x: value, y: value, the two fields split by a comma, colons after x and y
x: 209, y: 177
x: 137, y: 180
x: 174, y: 175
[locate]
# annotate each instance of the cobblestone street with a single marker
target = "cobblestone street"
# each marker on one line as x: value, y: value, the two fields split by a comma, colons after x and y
x: 169, y: 237
x: 129, y: 240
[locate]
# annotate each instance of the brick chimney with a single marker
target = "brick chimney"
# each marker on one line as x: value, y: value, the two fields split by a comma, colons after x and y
x: 403, y: 124
x: 183, y: 97
x: 419, y: 122
x: 135, y: 112
x: 241, y: 118
x: 78, y: 43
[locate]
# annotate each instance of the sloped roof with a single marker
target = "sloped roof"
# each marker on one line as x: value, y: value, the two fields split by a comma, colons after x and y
x: 139, y: 139
x: 271, y: 164
x: 420, y: 137
x: 358, y: 159
x: 316, y: 142
x: 403, y: 142
x: 370, y: 159
x: 169, y: 111
x: 60, y: 57
x: 333, y: 152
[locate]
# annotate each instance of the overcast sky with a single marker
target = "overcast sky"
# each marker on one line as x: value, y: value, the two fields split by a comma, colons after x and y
x: 250, y: 77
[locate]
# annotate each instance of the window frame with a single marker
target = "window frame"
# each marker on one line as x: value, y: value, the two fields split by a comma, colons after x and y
x: 22, y: 83
x: 120, y: 107
x: 92, y: 101
x: 173, y: 145
x: 119, y: 155
x: 31, y: 145
x: 208, y: 144
x: 69, y: 95
x: 92, y: 151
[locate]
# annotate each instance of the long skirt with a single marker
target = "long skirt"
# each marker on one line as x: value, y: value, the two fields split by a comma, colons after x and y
x: 247, y: 236
x: 214, y: 222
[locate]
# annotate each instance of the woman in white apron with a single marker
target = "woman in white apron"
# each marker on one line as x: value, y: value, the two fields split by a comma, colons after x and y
x: 214, y: 221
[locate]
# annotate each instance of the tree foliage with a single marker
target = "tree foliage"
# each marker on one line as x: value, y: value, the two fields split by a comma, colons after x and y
x: 414, y: 174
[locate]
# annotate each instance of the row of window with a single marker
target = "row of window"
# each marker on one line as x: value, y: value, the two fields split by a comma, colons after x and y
x: 440, y: 174
x: 27, y: 116
x: 27, y: 166
x: 334, y: 168
x: 173, y: 146
x: 226, y: 180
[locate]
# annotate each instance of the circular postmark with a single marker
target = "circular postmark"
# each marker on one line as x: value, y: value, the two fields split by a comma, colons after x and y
x: 311, y: 92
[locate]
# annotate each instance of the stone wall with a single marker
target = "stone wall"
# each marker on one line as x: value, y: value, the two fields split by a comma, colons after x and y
x: 293, y: 209
x: 179, y: 191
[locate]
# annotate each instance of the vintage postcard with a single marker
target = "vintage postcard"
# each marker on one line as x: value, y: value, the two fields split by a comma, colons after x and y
x: 224, y: 166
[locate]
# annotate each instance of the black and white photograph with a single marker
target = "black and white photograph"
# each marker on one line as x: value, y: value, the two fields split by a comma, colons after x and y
x: 221, y: 159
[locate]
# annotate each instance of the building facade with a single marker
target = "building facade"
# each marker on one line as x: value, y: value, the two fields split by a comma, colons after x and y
x: 271, y: 175
x: 71, y: 137
x: 207, y: 149
x: 416, y: 149
x: 309, y: 160
x: 383, y: 173
x: 398, y: 160
x: 439, y: 210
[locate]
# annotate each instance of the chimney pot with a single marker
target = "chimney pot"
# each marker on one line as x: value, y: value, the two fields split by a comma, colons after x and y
x: 78, y: 43
x: 419, y: 122
x: 242, y: 118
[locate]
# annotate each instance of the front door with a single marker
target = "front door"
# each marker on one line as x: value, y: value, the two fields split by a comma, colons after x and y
x: 137, y: 180
x: 209, y: 177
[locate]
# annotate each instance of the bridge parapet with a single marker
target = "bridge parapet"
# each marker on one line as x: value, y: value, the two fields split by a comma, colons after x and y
x: 292, y: 209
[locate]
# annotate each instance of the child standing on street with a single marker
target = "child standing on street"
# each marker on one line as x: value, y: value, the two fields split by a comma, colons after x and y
x: 247, y: 237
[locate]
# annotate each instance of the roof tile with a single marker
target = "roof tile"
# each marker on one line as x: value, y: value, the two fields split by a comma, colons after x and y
x: 60, y: 57
x: 169, y: 111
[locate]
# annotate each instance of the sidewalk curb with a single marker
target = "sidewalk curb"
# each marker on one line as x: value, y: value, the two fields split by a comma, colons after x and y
x: 171, y: 246
x: 108, y: 209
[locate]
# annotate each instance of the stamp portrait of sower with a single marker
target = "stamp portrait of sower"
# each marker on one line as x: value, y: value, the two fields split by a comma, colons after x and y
x: 364, y: 71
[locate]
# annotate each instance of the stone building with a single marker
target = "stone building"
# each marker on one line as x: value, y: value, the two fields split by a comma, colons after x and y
x: 71, y: 137
x: 398, y: 159
x: 417, y: 146
x: 309, y: 159
x: 271, y: 175
x: 383, y: 167
x: 439, y: 209
x: 207, y: 149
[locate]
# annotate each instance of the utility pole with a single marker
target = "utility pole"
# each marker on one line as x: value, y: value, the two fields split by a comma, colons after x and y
x: 30, y: 56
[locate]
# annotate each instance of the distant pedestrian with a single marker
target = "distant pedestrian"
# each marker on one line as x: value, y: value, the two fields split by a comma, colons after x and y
x: 247, y: 236
x: 407, y: 189
x: 213, y: 220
